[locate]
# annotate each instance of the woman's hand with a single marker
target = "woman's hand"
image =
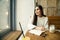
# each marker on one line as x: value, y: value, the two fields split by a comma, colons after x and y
x: 40, y: 28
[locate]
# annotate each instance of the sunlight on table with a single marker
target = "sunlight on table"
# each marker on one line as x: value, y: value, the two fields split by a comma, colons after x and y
x: 26, y: 38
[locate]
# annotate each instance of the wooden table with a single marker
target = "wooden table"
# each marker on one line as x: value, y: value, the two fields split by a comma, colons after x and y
x: 49, y: 36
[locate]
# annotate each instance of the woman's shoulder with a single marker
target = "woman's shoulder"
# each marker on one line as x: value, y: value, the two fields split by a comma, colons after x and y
x: 45, y: 17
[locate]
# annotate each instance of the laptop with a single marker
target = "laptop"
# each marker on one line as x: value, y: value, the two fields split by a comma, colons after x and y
x: 22, y: 30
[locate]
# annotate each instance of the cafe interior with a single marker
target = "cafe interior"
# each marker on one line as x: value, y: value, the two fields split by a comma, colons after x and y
x: 14, y: 16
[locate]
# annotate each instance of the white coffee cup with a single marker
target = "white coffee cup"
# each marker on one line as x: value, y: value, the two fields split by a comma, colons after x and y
x: 52, y: 28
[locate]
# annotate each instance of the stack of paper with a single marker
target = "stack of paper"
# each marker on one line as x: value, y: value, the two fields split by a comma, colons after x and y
x: 36, y: 32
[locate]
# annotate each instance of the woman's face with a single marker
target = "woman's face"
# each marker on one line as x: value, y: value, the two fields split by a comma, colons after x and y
x: 38, y: 11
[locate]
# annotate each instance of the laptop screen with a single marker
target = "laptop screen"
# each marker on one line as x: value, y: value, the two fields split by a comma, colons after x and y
x: 21, y: 29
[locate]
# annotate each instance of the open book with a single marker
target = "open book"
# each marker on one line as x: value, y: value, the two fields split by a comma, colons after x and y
x: 36, y: 32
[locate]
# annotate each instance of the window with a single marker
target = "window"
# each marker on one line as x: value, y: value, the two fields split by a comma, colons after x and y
x: 7, y: 16
x: 4, y: 15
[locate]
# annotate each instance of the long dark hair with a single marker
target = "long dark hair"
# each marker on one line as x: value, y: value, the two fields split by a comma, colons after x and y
x: 35, y: 16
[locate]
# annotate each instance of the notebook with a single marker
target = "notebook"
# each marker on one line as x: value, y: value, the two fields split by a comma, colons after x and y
x: 36, y: 32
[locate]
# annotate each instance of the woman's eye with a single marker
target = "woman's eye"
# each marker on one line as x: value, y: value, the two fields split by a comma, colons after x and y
x: 37, y: 9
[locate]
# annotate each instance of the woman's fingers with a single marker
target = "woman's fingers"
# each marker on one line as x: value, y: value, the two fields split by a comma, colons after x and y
x: 40, y: 28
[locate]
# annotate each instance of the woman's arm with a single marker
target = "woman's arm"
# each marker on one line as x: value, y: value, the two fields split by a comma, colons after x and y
x: 46, y: 23
x: 30, y: 25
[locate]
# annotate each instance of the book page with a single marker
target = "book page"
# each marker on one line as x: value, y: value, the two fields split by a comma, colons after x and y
x: 36, y: 32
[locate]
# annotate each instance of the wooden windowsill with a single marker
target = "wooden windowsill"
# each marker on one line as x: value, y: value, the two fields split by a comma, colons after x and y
x: 12, y: 35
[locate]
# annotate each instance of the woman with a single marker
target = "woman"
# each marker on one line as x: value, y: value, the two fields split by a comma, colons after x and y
x: 39, y: 21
